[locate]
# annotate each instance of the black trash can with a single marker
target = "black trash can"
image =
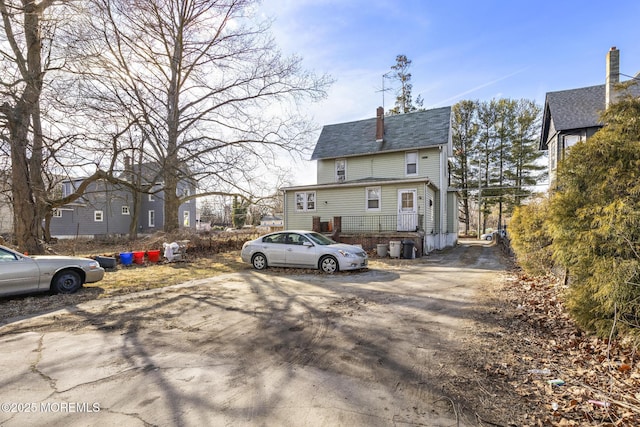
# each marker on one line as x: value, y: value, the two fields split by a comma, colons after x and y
x: 407, y: 249
x: 106, y: 262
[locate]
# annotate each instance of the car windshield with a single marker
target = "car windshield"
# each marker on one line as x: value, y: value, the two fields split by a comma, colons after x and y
x: 320, y: 239
x: 7, y: 256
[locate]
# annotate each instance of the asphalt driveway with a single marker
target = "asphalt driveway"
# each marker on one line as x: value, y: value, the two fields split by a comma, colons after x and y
x: 380, y: 347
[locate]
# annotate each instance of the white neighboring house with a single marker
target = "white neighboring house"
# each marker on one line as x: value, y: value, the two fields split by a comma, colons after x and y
x: 269, y: 223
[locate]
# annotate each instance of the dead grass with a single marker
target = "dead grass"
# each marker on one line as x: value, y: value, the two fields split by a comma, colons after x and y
x: 207, y: 256
x: 134, y: 278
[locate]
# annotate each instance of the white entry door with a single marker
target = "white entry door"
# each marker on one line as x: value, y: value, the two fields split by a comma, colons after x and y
x: 407, y: 210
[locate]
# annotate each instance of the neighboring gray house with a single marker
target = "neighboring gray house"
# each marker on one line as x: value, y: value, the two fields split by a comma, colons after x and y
x: 384, y: 177
x: 573, y: 115
x: 107, y: 209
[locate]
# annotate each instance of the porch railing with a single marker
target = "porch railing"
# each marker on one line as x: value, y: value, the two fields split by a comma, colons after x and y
x: 380, y: 223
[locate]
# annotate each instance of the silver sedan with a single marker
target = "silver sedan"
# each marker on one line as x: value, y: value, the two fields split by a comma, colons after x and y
x: 304, y: 249
x: 61, y: 274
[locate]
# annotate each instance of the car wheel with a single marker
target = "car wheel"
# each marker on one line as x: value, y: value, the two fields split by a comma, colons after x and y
x: 259, y: 261
x: 66, y: 282
x: 329, y: 264
x: 489, y: 238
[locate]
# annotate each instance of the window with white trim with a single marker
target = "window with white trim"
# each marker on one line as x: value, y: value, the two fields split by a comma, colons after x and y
x: 186, y: 220
x: 152, y: 218
x: 306, y: 201
x: 98, y: 216
x: 67, y: 188
x: 151, y: 198
x: 373, y: 195
x: 341, y: 170
x: 411, y: 163
x: 125, y: 210
x: 57, y: 213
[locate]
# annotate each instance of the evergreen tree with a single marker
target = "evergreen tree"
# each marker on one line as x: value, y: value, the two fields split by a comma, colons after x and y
x: 525, y: 169
x: 239, y: 212
x: 530, y: 237
x: 500, y: 155
x: 404, y: 98
x: 595, y: 224
x: 505, y: 125
x: 486, y: 150
x: 465, y: 133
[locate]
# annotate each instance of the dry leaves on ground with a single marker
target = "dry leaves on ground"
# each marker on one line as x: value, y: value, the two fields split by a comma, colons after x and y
x: 567, y: 377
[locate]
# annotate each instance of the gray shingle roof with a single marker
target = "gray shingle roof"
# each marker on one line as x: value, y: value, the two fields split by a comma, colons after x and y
x: 575, y: 109
x: 401, y: 132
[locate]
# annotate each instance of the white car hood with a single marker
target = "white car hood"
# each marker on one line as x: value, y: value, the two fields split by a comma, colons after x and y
x: 345, y: 247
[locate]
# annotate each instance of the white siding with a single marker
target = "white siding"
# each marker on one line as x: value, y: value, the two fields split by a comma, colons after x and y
x: 452, y: 214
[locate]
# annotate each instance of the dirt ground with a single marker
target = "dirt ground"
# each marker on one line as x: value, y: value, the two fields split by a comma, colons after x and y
x: 456, y: 338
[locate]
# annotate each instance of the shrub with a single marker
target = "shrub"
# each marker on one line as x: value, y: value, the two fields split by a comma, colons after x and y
x: 594, y: 219
x: 530, y: 239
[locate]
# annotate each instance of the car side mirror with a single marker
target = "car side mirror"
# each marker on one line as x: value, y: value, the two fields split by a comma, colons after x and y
x: 307, y: 244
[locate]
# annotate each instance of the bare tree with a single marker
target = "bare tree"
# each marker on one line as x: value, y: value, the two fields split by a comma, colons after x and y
x: 26, y: 58
x: 40, y: 149
x: 211, y: 97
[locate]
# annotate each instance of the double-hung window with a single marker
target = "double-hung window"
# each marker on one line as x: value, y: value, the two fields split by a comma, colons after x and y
x: 306, y: 201
x: 373, y: 198
x: 411, y: 163
x: 341, y: 170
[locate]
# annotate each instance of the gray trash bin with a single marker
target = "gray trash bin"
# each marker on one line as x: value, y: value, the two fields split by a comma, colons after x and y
x: 407, y: 249
x: 395, y: 246
x: 382, y: 250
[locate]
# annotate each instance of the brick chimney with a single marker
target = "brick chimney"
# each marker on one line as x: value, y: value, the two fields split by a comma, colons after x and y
x: 613, y: 75
x: 379, y: 124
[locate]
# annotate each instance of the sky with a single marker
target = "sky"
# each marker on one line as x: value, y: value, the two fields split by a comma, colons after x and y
x: 459, y: 50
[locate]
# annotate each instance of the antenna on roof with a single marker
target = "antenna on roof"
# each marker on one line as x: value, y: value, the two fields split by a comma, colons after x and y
x: 383, y: 90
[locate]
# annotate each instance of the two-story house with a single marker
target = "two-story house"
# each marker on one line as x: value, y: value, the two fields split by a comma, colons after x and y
x: 383, y: 176
x: 107, y: 208
x: 573, y: 115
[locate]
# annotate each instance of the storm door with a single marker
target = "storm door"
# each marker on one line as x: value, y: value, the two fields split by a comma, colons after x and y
x: 407, y: 210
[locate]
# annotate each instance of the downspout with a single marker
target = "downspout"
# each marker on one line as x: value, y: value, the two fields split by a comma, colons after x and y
x: 443, y: 198
x: 285, y: 218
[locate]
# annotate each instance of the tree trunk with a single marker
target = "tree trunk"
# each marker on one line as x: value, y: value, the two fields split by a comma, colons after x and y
x: 171, y: 204
x: 465, y: 210
x: 25, y: 210
x: 135, y: 215
x: 26, y: 185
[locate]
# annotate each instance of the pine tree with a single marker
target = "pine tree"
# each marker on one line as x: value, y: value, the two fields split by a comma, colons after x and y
x: 404, y: 98
x: 499, y: 162
x: 465, y: 133
x: 239, y: 212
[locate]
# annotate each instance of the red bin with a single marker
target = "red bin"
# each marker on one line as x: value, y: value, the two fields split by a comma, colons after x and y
x: 153, y: 256
x: 138, y: 257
